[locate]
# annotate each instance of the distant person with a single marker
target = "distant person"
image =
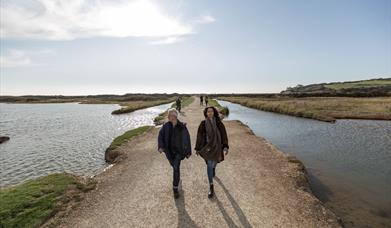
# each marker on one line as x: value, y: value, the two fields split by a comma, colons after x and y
x: 201, y: 100
x: 178, y: 104
x: 174, y: 142
x: 206, y: 100
x: 212, y: 143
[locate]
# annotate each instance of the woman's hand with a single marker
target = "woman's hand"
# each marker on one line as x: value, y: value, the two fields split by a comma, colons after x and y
x: 225, y: 151
x: 161, y: 150
x: 197, y: 153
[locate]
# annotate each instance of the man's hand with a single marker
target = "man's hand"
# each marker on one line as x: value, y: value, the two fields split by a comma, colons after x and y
x: 188, y: 156
x: 225, y: 151
x: 161, y: 150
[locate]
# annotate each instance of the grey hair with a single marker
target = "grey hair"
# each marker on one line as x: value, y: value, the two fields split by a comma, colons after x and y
x: 172, y: 111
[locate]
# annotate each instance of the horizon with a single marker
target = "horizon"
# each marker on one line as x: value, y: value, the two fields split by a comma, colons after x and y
x: 148, y: 46
x: 186, y: 93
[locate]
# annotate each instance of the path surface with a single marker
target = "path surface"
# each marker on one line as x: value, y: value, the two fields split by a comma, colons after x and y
x: 256, y: 186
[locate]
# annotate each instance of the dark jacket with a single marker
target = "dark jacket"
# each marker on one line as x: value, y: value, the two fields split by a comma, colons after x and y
x: 201, y: 137
x: 164, y: 140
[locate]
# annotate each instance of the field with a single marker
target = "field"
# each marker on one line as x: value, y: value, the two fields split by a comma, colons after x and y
x: 321, y: 108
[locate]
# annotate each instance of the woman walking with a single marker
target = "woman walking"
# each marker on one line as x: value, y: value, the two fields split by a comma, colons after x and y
x: 212, y: 143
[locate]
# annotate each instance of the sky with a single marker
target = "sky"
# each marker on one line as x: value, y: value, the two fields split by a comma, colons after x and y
x: 81, y: 47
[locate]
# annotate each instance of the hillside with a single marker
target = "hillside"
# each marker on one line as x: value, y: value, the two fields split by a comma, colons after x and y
x: 363, y: 88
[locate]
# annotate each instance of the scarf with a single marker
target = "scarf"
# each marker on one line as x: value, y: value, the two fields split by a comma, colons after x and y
x: 213, y: 148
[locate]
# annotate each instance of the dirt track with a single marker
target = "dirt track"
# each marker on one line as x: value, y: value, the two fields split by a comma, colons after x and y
x: 256, y: 186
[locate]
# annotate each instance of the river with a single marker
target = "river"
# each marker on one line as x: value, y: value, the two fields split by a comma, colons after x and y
x: 66, y: 137
x: 349, y: 162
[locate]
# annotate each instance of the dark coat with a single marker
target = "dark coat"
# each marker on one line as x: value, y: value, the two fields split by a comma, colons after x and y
x: 201, y: 137
x: 164, y: 140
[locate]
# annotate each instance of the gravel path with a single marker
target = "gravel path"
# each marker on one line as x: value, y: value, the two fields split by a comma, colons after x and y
x: 256, y: 186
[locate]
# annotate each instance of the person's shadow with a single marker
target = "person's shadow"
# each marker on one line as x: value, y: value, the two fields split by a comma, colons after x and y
x: 242, y: 217
x: 184, y: 219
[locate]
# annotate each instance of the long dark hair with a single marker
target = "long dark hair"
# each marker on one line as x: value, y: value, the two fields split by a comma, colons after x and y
x: 215, y: 113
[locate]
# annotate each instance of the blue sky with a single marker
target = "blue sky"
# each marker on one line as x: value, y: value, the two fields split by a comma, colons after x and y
x: 115, y: 47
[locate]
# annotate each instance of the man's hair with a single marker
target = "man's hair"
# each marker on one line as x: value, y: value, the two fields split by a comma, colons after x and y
x: 172, y: 111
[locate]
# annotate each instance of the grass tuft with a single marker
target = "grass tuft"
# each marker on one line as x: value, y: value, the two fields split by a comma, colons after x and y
x: 32, y: 203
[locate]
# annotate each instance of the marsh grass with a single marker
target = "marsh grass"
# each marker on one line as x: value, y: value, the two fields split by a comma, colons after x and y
x: 132, y: 106
x: 32, y: 203
x: 322, y: 108
x: 118, y: 141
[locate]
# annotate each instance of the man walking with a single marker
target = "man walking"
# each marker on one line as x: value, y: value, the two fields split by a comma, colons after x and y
x: 178, y: 104
x: 174, y: 141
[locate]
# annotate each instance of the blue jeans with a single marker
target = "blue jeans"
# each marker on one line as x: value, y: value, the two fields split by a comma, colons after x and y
x: 210, y: 165
x: 176, y: 163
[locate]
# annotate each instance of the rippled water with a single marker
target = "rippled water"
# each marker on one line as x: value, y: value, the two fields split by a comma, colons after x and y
x: 349, y: 162
x: 71, y: 137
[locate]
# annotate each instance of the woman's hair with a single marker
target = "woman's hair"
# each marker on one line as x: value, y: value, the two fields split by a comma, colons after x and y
x: 215, y: 113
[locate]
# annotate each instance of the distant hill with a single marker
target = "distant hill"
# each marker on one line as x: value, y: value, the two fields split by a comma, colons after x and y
x: 363, y: 88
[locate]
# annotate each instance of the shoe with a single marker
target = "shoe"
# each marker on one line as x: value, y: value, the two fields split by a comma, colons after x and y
x: 214, y: 172
x: 176, y: 193
x: 211, y: 191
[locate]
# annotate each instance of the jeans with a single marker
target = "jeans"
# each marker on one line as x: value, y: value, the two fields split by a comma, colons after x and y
x: 210, y: 165
x: 176, y: 163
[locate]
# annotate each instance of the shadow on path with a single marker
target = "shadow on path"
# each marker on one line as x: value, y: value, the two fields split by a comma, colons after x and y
x: 184, y: 219
x: 242, y: 217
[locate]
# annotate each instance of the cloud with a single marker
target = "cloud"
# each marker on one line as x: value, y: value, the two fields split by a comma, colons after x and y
x: 168, y: 40
x: 206, y: 19
x: 72, y: 19
x: 20, y: 58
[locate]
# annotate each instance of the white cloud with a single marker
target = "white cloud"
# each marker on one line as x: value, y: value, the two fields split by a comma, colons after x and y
x: 71, y: 19
x: 20, y: 58
x: 206, y: 19
x: 168, y: 40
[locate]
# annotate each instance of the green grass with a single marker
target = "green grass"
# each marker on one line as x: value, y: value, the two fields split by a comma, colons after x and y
x: 216, y: 104
x: 213, y: 102
x: 31, y: 203
x: 322, y: 108
x: 127, y: 136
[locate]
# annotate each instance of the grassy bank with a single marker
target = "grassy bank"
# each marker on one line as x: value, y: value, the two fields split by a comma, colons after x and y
x: 111, y: 155
x: 186, y: 101
x: 32, y: 203
x: 136, y: 105
x: 322, y: 108
x: 223, y: 110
